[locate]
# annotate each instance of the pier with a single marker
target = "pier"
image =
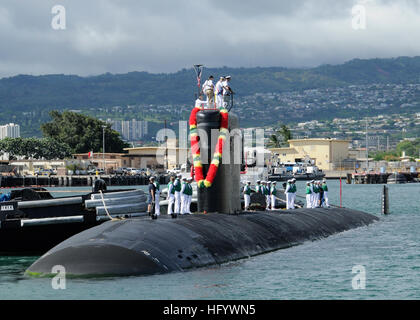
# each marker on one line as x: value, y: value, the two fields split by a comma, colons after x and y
x: 382, y: 178
x: 75, y: 181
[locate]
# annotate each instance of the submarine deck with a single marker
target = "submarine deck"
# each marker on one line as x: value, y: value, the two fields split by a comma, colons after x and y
x: 140, y: 246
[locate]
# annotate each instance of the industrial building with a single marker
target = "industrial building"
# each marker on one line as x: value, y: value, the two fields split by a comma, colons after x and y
x: 327, y: 154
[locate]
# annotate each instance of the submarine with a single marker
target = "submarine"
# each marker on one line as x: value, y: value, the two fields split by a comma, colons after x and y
x: 218, y: 233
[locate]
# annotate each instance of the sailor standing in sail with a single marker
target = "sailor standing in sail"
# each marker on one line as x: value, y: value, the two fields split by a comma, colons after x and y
x: 177, y: 187
x: 219, y: 92
x: 273, y: 195
x: 157, y: 197
x: 227, y: 91
x: 208, y: 89
x: 325, y: 188
x: 171, y: 196
x: 247, y: 195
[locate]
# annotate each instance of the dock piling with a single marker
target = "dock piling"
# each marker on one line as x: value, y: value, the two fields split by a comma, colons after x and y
x: 385, y: 200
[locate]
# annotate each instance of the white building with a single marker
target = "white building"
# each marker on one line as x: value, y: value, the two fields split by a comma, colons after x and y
x: 10, y: 130
x: 131, y: 130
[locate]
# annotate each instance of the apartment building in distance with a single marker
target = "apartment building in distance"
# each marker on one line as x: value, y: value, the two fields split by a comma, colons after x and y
x: 10, y: 130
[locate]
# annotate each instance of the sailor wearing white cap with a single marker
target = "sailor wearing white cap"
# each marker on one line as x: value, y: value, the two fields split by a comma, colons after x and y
x: 157, y: 205
x: 273, y: 194
x: 313, y: 194
x: 171, y: 195
x: 258, y: 188
x: 177, y: 187
x: 247, y: 195
x: 190, y: 193
x: 184, y: 196
x: 219, y: 92
x: 325, y: 188
x: 267, y: 194
x: 288, y: 195
x: 293, y: 191
x: 308, y: 195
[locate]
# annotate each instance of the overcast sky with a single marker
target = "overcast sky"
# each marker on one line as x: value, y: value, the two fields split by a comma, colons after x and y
x: 119, y: 36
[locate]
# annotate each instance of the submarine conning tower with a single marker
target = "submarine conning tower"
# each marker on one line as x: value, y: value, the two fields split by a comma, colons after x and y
x: 224, y: 194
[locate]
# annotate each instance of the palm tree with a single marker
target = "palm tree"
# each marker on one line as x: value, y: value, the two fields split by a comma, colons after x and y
x: 280, y: 137
x: 285, y: 133
x: 274, y: 141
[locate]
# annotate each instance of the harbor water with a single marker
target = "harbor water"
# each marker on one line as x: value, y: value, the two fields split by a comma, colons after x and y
x: 388, y: 251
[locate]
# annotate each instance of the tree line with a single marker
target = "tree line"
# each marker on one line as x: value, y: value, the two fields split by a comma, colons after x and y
x: 67, y: 133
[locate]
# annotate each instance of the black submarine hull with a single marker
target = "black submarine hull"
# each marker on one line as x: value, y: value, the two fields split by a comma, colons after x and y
x: 145, y: 247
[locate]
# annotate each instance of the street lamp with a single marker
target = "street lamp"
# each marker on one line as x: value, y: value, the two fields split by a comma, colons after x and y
x: 103, y: 146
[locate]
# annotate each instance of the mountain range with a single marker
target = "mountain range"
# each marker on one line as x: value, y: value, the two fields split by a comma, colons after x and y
x: 23, y: 93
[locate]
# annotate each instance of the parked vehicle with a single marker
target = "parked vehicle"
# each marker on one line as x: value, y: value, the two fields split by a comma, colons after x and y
x: 45, y: 172
x: 94, y: 171
x: 120, y: 171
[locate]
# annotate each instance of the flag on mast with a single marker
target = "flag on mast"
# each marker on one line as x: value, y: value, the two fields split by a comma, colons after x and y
x: 90, y: 154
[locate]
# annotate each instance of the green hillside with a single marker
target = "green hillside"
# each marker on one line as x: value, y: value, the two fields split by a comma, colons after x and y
x: 29, y: 93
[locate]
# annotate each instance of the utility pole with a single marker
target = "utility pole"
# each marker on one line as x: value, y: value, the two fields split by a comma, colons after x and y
x: 103, y: 146
x: 367, y: 147
x: 166, y: 150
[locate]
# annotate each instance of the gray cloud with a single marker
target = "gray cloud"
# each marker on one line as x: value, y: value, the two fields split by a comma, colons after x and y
x: 166, y: 35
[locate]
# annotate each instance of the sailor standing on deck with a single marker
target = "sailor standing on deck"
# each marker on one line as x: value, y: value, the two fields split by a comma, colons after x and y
x: 157, y: 197
x: 171, y: 196
x: 258, y: 188
x: 267, y: 194
x: 219, y: 92
x: 273, y: 195
x: 288, y: 195
x: 312, y: 194
x: 184, y: 196
x: 264, y: 190
x: 293, y: 191
x: 247, y: 195
x: 190, y: 193
x: 151, y: 198
x: 325, y: 188
x: 308, y: 195
x: 316, y: 195
x: 177, y: 186
x: 321, y: 194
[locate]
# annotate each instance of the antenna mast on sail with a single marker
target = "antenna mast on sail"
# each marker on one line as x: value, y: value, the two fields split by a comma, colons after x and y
x: 198, y: 71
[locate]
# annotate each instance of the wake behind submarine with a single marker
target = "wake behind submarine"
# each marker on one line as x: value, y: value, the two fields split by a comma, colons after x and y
x: 142, y: 246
